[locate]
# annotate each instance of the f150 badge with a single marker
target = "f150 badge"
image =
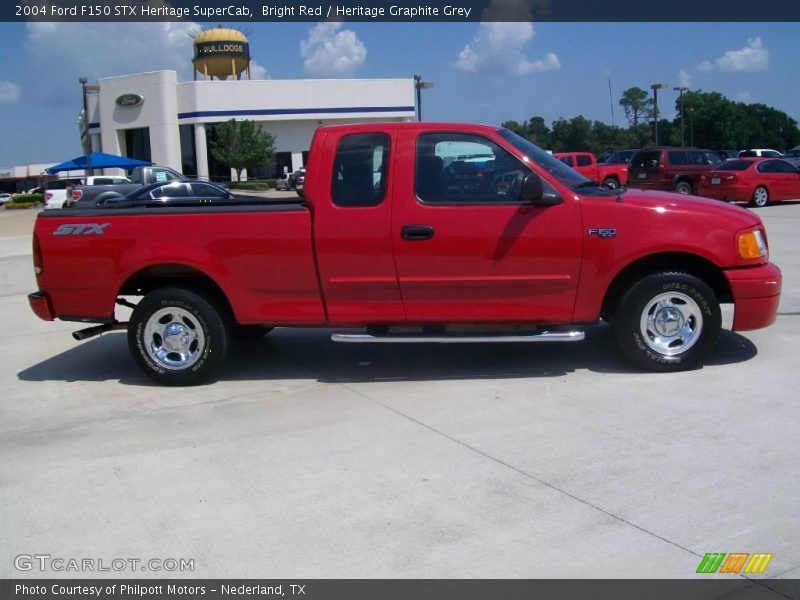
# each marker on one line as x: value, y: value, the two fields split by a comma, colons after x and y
x: 81, y: 229
x: 603, y: 232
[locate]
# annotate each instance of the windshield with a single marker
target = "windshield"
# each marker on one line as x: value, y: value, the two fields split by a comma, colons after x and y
x: 566, y: 175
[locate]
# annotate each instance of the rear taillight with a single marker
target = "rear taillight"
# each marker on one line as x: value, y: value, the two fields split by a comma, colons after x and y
x: 48, y: 195
x: 661, y: 166
x: 731, y: 178
x: 37, y: 256
x: 76, y: 195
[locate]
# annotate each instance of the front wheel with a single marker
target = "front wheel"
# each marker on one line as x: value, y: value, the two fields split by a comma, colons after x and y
x: 668, y: 322
x: 760, y: 196
x: 611, y: 183
x: 177, y: 337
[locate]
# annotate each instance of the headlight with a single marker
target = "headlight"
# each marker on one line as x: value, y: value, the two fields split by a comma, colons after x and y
x: 751, y: 244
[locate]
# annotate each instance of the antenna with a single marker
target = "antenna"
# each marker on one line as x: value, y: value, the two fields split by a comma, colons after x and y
x: 611, y: 101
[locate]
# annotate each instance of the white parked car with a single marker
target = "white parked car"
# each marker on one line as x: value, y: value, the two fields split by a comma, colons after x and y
x: 5, y: 198
x: 760, y: 153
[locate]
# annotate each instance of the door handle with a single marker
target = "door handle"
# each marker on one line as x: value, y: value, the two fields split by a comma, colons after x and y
x: 415, y: 233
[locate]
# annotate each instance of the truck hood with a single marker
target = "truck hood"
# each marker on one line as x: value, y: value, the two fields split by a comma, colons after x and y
x: 691, y: 206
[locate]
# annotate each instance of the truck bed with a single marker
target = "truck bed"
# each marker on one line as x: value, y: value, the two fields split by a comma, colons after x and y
x: 259, y: 255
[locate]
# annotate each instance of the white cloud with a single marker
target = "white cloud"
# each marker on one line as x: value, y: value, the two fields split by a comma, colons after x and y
x: 498, y: 49
x: 753, y: 57
x: 59, y: 53
x: 744, y: 96
x: 9, y: 92
x: 684, y: 78
x: 257, y: 71
x: 328, y: 52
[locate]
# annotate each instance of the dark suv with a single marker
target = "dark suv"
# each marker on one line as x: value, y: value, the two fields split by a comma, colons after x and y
x: 670, y: 169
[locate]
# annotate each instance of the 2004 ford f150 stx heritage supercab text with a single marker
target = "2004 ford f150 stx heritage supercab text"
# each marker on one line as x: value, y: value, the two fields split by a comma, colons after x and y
x: 411, y: 232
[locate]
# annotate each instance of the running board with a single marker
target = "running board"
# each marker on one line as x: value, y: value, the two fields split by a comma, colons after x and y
x: 544, y: 336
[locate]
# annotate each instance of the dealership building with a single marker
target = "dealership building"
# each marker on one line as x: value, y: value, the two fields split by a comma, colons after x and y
x: 151, y: 116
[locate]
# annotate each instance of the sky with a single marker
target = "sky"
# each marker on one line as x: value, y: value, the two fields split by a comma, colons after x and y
x: 482, y: 72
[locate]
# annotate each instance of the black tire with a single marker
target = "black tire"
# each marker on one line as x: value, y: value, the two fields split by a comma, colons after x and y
x: 196, y: 331
x: 667, y: 322
x: 611, y: 183
x: 248, y: 333
x: 684, y: 187
x: 760, y: 197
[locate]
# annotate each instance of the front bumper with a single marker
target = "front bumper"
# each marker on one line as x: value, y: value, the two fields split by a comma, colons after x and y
x: 40, y: 305
x: 756, y: 294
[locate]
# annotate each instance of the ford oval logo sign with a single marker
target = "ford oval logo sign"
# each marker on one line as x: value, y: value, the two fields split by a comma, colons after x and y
x: 130, y: 100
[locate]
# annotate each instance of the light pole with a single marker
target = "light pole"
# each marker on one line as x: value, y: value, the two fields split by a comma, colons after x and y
x: 420, y: 85
x: 691, y: 126
x: 681, y: 90
x: 655, y: 87
x: 85, y: 133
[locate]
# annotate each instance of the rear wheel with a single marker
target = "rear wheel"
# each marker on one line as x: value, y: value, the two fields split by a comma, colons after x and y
x: 667, y: 322
x: 760, y: 196
x: 684, y: 187
x: 177, y: 337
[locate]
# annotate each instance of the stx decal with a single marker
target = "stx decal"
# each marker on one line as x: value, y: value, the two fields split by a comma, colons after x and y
x: 81, y: 229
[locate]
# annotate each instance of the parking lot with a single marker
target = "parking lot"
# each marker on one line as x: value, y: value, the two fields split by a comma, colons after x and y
x: 311, y: 459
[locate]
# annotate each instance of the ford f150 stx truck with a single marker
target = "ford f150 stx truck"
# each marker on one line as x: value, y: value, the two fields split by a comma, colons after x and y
x: 410, y: 233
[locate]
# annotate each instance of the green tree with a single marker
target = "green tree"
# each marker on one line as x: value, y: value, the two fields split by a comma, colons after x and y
x: 534, y: 130
x: 574, y: 135
x: 637, y: 105
x: 242, y: 145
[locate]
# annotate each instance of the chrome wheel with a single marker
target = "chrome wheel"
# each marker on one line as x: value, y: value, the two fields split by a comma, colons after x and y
x: 611, y: 183
x: 671, y: 323
x: 761, y: 196
x: 174, y: 338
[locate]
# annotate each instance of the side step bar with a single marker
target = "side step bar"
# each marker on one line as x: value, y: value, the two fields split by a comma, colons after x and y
x: 544, y: 336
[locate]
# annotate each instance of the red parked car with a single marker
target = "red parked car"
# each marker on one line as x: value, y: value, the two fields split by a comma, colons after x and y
x: 755, y: 180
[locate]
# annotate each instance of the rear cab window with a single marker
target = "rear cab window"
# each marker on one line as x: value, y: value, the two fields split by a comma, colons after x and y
x: 360, y: 170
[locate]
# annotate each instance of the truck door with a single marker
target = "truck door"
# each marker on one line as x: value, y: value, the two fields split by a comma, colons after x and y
x: 466, y: 249
x: 352, y: 218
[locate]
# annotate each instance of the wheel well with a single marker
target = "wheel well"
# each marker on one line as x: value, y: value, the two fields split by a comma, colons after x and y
x: 671, y: 261
x: 169, y: 275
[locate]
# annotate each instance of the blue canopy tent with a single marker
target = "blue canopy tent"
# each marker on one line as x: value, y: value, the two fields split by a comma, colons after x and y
x: 97, y: 160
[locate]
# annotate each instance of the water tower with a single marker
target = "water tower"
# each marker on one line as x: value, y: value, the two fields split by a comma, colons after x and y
x: 221, y: 52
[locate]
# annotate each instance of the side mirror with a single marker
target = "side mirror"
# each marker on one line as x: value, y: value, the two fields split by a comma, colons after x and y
x: 533, y: 192
x: 532, y: 189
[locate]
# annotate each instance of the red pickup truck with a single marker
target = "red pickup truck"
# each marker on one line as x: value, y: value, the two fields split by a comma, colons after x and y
x: 612, y: 173
x: 410, y: 232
